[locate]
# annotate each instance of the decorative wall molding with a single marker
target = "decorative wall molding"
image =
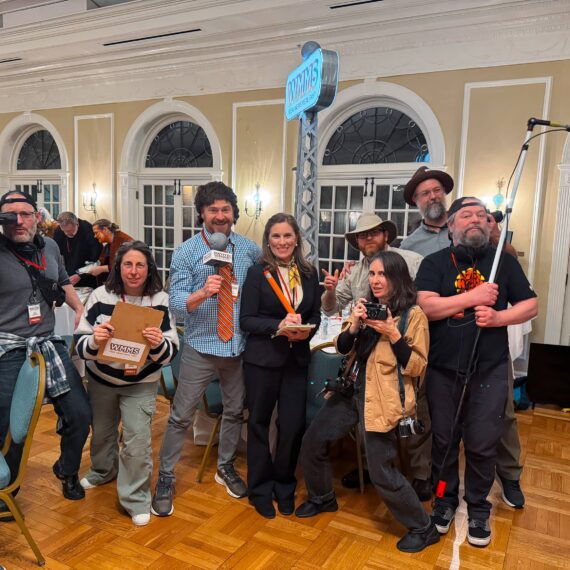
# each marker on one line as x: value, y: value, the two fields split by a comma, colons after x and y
x: 235, y: 108
x: 423, y: 36
x: 538, y: 197
x: 561, y: 247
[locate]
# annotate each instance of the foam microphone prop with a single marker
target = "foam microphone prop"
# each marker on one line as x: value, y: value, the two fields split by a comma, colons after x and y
x: 217, y: 257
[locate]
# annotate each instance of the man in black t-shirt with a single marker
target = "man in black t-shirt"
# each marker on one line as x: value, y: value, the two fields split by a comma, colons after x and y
x: 454, y: 292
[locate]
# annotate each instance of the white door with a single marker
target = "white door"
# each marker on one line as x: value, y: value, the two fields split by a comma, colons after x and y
x: 565, y: 332
x: 168, y: 217
x: 47, y: 194
x: 342, y: 203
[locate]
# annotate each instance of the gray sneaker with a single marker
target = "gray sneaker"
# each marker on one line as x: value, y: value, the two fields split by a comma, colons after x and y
x: 161, y: 505
x: 227, y: 475
x: 442, y: 517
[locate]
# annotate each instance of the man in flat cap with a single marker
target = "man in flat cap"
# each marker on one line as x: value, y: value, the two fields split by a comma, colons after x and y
x: 427, y: 190
x: 370, y: 236
x: 455, y: 295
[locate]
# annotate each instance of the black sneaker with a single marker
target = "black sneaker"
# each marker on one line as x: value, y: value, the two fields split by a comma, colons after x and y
x: 70, y: 486
x: 227, y: 476
x: 512, y: 492
x: 161, y: 505
x: 479, y: 532
x: 442, y: 518
x: 417, y: 541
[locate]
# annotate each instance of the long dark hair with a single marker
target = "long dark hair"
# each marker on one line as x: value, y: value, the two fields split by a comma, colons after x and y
x: 267, y: 257
x: 153, y: 283
x: 402, y: 296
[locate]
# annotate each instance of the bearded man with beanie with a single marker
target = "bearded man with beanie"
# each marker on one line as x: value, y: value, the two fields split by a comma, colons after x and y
x: 454, y: 293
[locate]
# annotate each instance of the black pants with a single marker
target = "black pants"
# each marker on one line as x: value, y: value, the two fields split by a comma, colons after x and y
x: 72, y: 409
x: 481, y: 427
x: 333, y: 421
x: 285, y: 386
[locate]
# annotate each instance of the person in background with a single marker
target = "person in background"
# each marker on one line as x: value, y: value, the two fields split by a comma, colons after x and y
x: 208, y: 300
x: 78, y: 246
x: 109, y: 235
x: 32, y: 281
x: 283, y: 289
x: 47, y: 224
x: 455, y: 294
x: 121, y: 393
x: 387, y: 358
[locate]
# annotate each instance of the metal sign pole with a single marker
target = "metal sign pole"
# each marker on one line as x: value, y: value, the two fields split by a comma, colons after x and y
x: 306, y: 206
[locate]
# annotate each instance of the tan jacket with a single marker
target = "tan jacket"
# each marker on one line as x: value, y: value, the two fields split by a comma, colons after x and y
x: 382, y: 407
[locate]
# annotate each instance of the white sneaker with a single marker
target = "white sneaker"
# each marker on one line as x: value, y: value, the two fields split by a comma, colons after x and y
x: 86, y: 484
x: 142, y: 519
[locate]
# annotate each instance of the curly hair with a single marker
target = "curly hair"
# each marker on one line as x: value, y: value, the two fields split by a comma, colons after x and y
x: 207, y: 194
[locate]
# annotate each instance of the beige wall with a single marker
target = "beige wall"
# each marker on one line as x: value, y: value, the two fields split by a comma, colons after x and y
x: 497, y: 119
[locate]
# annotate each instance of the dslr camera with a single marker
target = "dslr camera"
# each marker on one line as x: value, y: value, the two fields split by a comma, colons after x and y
x: 410, y: 426
x: 376, y: 311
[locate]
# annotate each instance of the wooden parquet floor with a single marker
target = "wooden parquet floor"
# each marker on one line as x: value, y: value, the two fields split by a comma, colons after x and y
x: 210, y: 530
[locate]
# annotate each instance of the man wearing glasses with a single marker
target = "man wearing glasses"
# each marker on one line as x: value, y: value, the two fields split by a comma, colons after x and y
x: 32, y: 281
x: 426, y: 190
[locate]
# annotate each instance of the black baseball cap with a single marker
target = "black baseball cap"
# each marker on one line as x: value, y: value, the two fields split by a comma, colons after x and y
x: 14, y: 196
x: 463, y: 202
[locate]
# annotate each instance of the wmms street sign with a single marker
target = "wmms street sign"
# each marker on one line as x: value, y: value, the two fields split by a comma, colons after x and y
x: 312, y: 86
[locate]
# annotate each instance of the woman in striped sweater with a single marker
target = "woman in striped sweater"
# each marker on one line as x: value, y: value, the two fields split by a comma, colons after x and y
x: 118, y: 392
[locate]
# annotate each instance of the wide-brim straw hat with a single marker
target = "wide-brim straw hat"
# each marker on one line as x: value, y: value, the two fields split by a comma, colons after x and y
x: 370, y: 221
x: 420, y: 175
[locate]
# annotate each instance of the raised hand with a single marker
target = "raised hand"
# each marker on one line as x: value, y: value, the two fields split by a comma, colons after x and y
x: 331, y: 280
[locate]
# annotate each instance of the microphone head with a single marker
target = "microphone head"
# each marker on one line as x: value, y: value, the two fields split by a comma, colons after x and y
x: 218, y: 241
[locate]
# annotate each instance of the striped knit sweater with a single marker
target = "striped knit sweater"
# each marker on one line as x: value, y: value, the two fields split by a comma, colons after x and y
x: 98, y: 309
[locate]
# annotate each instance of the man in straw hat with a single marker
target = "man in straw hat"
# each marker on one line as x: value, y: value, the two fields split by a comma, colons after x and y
x: 427, y: 190
x: 370, y: 236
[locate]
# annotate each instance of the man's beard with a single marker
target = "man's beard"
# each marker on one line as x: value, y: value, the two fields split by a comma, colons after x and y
x: 434, y: 211
x: 475, y: 240
x: 21, y: 238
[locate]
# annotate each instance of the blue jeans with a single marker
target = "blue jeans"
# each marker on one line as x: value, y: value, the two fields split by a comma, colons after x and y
x: 72, y: 409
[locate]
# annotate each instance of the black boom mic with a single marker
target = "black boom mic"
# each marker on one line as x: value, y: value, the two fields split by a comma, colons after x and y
x: 544, y: 123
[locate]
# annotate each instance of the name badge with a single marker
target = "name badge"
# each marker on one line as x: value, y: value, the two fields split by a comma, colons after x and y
x: 34, y: 314
x: 131, y: 370
x: 235, y: 290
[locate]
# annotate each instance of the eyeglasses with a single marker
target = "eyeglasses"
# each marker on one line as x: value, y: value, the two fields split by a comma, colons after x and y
x: 437, y: 191
x: 370, y: 233
x: 25, y: 215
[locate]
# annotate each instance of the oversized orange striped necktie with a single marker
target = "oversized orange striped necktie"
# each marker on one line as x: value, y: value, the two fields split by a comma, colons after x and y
x: 225, y: 306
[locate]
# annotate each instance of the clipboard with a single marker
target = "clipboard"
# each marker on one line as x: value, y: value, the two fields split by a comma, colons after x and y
x: 128, y: 345
x: 294, y: 328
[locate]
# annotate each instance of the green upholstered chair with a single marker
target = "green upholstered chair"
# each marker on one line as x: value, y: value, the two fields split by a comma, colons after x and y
x: 24, y: 412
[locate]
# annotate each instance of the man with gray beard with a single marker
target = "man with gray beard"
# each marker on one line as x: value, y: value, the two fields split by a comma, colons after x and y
x: 426, y: 190
x: 454, y: 293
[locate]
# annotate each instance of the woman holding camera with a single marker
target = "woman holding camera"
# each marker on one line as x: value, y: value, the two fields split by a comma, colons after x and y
x: 387, y: 349
x: 280, y: 293
x: 122, y: 392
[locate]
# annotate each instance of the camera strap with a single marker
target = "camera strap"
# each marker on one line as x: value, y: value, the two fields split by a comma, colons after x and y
x: 402, y: 326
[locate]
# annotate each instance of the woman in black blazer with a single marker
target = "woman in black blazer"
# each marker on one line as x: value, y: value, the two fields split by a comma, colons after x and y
x: 276, y: 367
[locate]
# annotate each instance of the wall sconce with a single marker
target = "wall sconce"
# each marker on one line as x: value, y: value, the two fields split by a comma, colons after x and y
x: 90, y: 201
x: 498, y: 198
x: 255, y: 204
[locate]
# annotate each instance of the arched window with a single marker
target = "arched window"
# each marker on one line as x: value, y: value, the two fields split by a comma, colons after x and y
x: 376, y: 136
x: 181, y: 144
x: 39, y: 152
x: 373, y: 140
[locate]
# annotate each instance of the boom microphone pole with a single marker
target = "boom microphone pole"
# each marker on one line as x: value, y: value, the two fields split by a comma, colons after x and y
x: 532, y: 122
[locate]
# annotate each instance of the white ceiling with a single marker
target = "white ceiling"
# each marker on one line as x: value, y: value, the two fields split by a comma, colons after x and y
x: 61, y: 60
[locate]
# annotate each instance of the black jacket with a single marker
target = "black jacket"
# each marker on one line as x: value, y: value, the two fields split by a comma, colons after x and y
x: 261, y: 312
x: 77, y: 250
